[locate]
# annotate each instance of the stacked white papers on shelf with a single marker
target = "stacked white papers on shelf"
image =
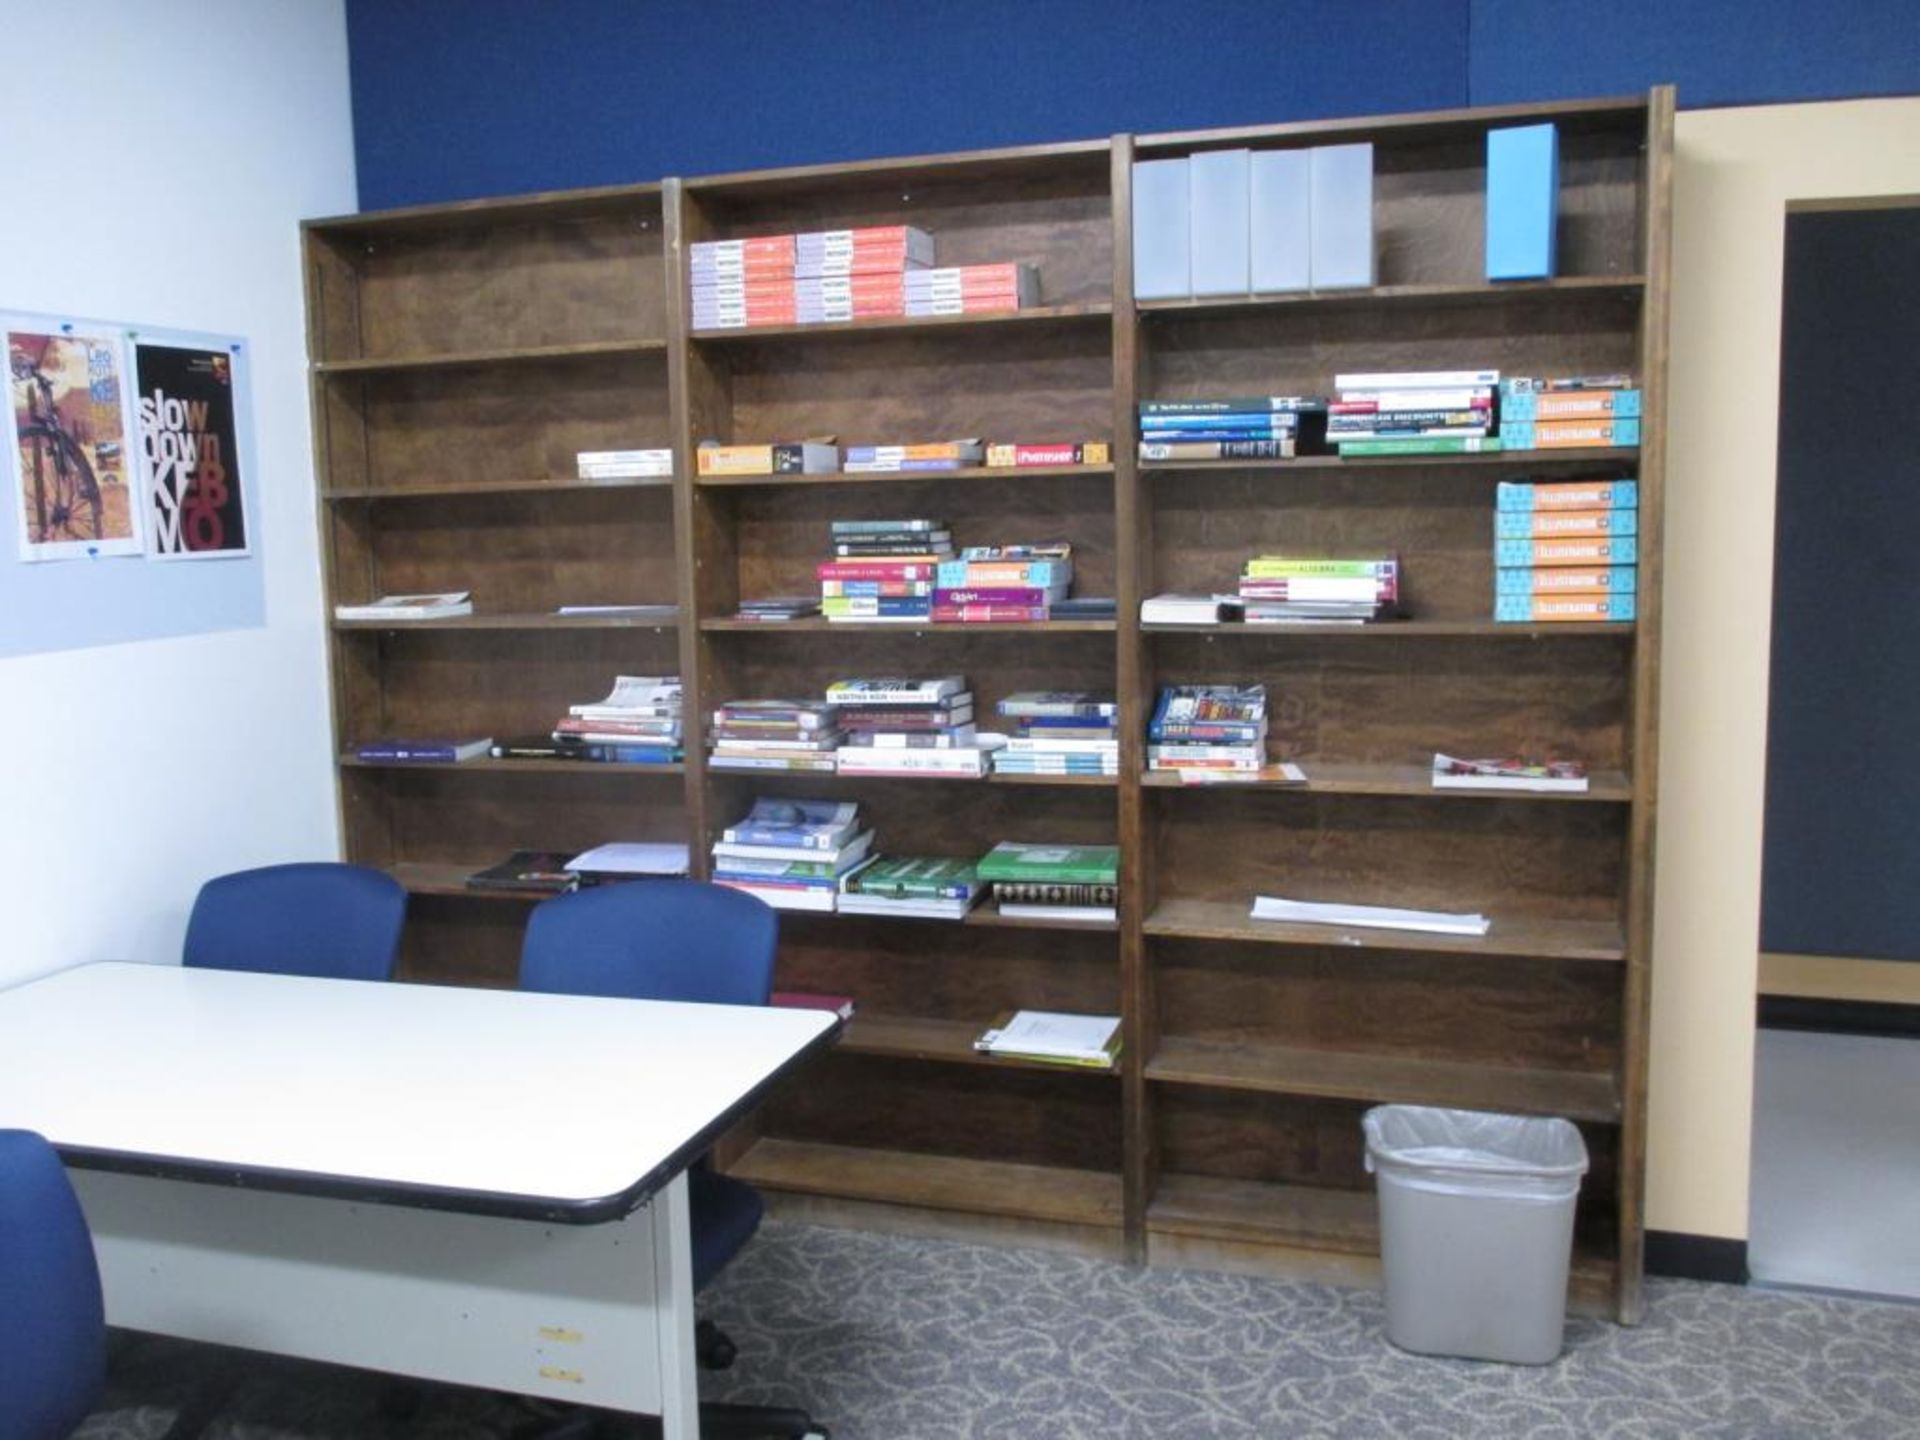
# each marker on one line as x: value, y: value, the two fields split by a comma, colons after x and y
x: 1376, y: 917
x: 632, y: 858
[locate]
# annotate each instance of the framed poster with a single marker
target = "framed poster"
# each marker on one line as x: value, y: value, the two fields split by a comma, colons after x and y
x: 190, y: 452
x: 71, y: 437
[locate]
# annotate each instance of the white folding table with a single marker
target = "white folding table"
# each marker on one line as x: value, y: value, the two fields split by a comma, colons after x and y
x: 478, y: 1186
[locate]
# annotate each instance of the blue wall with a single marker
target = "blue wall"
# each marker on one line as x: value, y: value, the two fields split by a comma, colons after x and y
x: 454, y: 99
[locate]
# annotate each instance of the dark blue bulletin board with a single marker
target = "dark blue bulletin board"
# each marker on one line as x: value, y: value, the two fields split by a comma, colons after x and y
x: 1842, y: 860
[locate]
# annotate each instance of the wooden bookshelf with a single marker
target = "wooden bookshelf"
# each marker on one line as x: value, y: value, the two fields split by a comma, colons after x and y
x: 461, y: 356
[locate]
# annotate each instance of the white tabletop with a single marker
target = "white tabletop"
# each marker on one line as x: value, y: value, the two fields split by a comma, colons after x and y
x: 489, y: 1100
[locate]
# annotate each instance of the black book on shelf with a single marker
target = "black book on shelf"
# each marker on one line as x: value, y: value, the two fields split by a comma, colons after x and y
x: 539, y: 871
x: 1084, y: 607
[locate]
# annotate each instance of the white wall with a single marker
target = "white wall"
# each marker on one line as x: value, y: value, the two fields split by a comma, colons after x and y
x: 173, y: 149
x: 1735, y: 171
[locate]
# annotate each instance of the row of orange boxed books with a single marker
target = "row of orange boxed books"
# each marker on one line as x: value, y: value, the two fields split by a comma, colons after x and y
x: 1566, y: 552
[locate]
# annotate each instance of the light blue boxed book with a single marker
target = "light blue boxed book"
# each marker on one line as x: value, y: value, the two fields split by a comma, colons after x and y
x: 1525, y: 404
x: 1621, y: 579
x: 1218, y: 190
x: 1519, y: 609
x: 1607, y: 495
x: 1519, y: 434
x: 1523, y: 194
x: 1520, y: 524
x: 1162, y: 234
x: 1279, y: 217
x: 1340, y: 218
x: 1595, y: 550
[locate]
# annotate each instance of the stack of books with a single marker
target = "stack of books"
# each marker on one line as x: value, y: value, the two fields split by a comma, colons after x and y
x: 883, y: 570
x: 971, y: 289
x: 899, y: 726
x: 1565, y: 551
x: 1001, y: 583
x: 1569, y: 412
x: 637, y: 724
x: 1013, y: 455
x: 1509, y: 772
x: 819, y: 277
x: 1208, y: 727
x: 1319, y: 590
x: 909, y: 458
x: 1060, y: 732
x: 1239, y: 427
x: 409, y: 607
x: 776, y: 608
x: 793, y: 854
x: 623, y: 464
x: 1414, y: 412
x: 1053, y: 882
x: 935, y: 887
x: 774, y: 735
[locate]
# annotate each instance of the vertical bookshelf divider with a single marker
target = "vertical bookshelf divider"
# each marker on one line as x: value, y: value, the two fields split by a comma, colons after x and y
x: 1247, y: 1052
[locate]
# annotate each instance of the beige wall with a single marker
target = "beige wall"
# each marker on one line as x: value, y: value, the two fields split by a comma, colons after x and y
x: 1735, y: 171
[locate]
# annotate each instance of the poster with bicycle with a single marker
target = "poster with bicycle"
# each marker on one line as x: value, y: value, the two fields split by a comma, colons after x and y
x: 189, y: 441
x: 70, y: 424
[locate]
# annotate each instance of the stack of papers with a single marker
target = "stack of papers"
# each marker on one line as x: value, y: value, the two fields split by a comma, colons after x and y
x: 631, y: 858
x: 1049, y: 1035
x: 1376, y: 917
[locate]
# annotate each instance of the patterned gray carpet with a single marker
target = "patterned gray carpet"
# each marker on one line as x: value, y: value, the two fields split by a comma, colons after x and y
x: 890, y: 1338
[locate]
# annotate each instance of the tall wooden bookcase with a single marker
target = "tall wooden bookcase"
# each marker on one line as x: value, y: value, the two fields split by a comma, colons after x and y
x: 463, y: 353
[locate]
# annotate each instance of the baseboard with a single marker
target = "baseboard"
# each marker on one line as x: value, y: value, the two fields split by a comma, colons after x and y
x: 1696, y: 1257
x: 1839, y: 1017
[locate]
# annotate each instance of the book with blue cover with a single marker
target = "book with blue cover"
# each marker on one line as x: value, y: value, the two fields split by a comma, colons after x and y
x: 795, y: 824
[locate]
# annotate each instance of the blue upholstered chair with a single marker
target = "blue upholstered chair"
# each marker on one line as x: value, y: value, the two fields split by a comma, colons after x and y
x: 53, y: 1334
x: 674, y: 940
x: 324, y: 919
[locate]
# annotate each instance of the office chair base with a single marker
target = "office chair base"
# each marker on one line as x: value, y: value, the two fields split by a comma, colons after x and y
x: 758, y: 1422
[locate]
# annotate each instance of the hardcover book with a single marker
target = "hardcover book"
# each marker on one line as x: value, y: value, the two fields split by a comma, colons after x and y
x: 1013, y: 860
x: 543, y: 871
x: 409, y: 607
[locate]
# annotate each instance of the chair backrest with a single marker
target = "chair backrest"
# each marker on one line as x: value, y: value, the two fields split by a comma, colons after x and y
x: 323, y: 919
x: 53, y: 1334
x: 653, y: 940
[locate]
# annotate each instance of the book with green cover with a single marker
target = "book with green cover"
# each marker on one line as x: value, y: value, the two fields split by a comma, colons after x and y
x: 1424, y: 445
x: 903, y: 877
x: 1056, y: 864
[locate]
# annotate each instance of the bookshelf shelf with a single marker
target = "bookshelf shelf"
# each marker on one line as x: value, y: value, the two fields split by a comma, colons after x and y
x: 912, y: 325
x: 505, y: 621
x: 455, y: 489
x: 1252, y: 1046
x: 1404, y: 630
x: 1519, y: 462
x: 487, y: 765
x: 505, y: 355
x: 897, y: 477
x: 1379, y: 1078
x: 1626, y: 288
x: 1045, y: 1193
x: 1609, y: 787
x: 947, y: 1041
x: 1598, y: 941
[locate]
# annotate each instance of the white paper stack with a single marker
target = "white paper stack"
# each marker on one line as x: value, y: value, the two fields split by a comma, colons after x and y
x: 1375, y: 917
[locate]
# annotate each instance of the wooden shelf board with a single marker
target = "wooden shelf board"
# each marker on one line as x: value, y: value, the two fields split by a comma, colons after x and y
x: 940, y: 1182
x: 453, y: 489
x: 487, y: 765
x: 1626, y: 112
x: 1619, y: 287
x: 1603, y: 786
x: 509, y: 355
x: 950, y: 1041
x: 1531, y: 461
x: 1521, y: 937
x: 535, y: 620
x: 999, y: 777
x: 1382, y: 1078
x: 983, y: 913
x: 812, y: 181
x: 910, y: 324
x: 1407, y: 630
x: 1105, y: 781
x: 820, y: 625
x: 461, y: 215
x: 965, y: 472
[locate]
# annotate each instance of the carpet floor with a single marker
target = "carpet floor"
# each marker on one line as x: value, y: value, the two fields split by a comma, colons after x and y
x: 885, y: 1337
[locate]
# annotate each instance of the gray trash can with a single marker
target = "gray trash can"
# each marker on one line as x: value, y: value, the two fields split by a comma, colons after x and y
x: 1476, y: 1229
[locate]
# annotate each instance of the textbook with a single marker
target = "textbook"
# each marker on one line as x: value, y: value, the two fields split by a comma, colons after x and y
x: 795, y: 824
x: 435, y: 751
x: 1049, y: 1035
x: 543, y: 871
x: 409, y: 607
